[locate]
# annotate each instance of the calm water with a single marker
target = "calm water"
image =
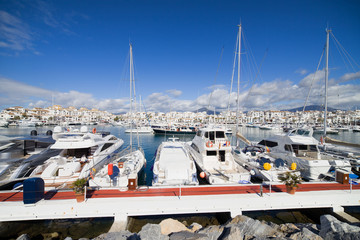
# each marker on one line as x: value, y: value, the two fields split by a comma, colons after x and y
x: 150, y: 142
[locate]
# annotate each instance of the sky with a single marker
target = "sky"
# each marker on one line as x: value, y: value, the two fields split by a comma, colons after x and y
x: 76, y: 53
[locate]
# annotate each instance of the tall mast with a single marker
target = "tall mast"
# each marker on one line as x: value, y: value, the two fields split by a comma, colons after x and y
x: 326, y: 77
x: 238, y: 85
x: 131, y: 100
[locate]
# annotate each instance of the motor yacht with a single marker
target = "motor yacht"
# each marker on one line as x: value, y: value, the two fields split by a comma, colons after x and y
x: 261, y: 165
x: 303, y: 150
x: 174, y: 165
x: 213, y: 156
x: 82, y: 152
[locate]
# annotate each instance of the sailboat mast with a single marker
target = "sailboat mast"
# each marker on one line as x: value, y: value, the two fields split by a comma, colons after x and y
x: 131, y: 100
x: 238, y: 85
x: 326, y: 78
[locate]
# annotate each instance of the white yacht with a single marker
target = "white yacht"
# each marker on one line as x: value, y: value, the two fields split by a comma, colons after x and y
x: 82, y: 153
x: 122, y: 172
x: 261, y: 165
x: 174, y: 165
x: 140, y: 129
x: 213, y: 156
x: 303, y: 150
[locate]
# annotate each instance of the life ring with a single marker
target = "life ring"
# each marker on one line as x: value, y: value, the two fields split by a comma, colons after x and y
x: 227, y: 143
x: 209, y: 144
x: 94, y: 130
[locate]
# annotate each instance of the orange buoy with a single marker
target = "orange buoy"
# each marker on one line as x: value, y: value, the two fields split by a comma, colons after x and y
x: 293, y: 166
x: 110, y: 169
x: 209, y: 144
x: 202, y: 175
x: 94, y: 130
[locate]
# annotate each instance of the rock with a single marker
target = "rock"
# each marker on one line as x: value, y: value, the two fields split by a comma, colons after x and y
x: 195, y: 227
x: 23, y: 237
x: 122, y: 235
x: 50, y: 235
x: 248, y: 227
x: 185, y: 235
x: 331, y: 227
x: 152, y: 232
x: 305, y: 234
x: 212, y: 232
x: 170, y: 226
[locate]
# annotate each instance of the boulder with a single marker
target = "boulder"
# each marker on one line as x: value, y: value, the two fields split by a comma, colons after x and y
x: 170, y: 226
x: 305, y: 234
x: 332, y: 228
x: 23, y: 237
x: 185, y: 235
x: 212, y: 232
x: 247, y: 227
x: 152, y: 232
x: 195, y: 227
x: 122, y: 235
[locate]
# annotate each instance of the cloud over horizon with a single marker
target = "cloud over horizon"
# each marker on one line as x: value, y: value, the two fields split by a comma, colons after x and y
x: 275, y: 95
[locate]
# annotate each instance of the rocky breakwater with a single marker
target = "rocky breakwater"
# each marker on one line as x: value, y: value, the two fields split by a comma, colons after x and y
x: 240, y: 227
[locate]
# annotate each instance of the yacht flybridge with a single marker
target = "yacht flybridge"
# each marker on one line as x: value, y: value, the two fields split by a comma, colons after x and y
x: 213, y: 156
x: 82, y: 154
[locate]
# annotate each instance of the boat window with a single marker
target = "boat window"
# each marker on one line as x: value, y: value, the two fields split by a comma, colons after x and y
x: 268, y: 143
x: 211, y: 136
x: 211, y: 153
x: 220, y: 134
x: 288, y: 148
x: 195, y: 147
x: 303, y: 147
x: 206, y: 135
x: 222, y: 156
x: 113, y: 138
x: 78, y: 152
x: 313, y: 148
x: 106, y: 145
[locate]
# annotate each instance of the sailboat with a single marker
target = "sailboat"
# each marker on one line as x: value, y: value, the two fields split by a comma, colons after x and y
x: 304, y: 149
x: 123, y: 171
x: 212, y: 151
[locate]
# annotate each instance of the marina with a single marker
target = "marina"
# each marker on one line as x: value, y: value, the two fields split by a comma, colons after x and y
x: 121, y: 203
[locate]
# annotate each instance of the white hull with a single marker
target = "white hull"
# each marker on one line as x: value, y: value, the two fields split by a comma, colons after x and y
x: 174, y: 165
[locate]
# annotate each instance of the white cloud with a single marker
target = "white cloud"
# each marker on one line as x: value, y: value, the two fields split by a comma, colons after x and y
x: 174, y: 92
x: 278, y: 94
x: 302, y: 71
x: 14, y: 33
x: 350, y: 76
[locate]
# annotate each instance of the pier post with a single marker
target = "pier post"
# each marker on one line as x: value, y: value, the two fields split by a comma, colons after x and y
x: 235, y: 212
x: 343, y: 216
x: 120, y: 223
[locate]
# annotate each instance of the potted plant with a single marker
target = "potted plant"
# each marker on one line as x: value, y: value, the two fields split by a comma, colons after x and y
x: 291, y: 180
x: 79, y: 188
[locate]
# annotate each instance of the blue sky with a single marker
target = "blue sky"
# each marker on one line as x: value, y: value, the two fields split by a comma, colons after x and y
x: 75, y: 53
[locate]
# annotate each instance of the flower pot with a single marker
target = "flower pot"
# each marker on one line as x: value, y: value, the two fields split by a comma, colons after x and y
x: 290, y: 190
x: 80, y: 197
